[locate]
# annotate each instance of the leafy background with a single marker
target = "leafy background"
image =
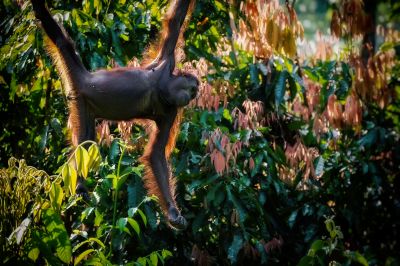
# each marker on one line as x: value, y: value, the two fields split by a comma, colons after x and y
x: 290, y: 154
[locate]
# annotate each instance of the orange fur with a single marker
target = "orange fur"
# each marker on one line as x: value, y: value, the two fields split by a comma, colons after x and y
x: 150, y: 181
x: 62, y: 69
x: 153, y: 52
x: 73, y: 123
x: 60, y: 64
x: 151, y: 55
x: 173, y: 134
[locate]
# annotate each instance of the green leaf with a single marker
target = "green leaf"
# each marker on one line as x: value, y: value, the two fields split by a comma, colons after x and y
x: 257, y: 164
x: 311, y: 73
x: 56, y: 126
x: 135, y: 191
x: 142, y: 261
x: 227, y: 115
x: 82, y: 161
x: 280, y: 88
x: 219, y: 197
x: 134, y: 225
x: 98, y: 218
x: 369, y: 139
x: 386, y: 46
x: 33, y: 254
x: 152, y: 218
x: 238, y: 205
x: 73, y: 176
x: 94, y: 157
x: 90, y: 240
x: 234, y: 248
x: 220, y: 6
x: 64, y: 253
x: 330, y: 225
x: 45, y: 245
x: 114, y: 151
x: 316, y: 246
x: 121, y: 180
x: 43, y: 138
x: 56, y: 196
x: 254, y: 75
x: 86, y: 213
x: 356, y: 256
x: 66, y: 177
x: 98, y: 241
x: 124, y: 37
x: 114, y: 180
x: 121, y: 224
x: 154, y: 258
x: 306, y: 261
x: 161, y: 259
x: 13, y: 87
x: 143, y: 216
x: 70, y: 178
x: 211, y: 193
x: 166, y: 253
x: 292, y: 218
x: 59, y: 236
x: 83, y: 255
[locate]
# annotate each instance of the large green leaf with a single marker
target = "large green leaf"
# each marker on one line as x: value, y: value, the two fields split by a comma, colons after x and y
x: 59, y: 238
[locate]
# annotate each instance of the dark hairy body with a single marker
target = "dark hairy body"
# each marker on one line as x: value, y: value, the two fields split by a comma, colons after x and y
x: 153, y: 94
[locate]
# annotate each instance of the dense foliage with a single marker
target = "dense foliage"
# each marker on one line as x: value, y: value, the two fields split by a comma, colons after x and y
x: 285, y: 157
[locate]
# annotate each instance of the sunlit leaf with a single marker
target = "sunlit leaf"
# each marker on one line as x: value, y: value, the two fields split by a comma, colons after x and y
x: 227, y: 115
x: 33, y: 254
x: 66, y: 178
x: 166, y: 253
x: 121, y: 180
x: 134, y: 225
x: 82, y: 161
x: 73, y: 178
x: 86, y: 213
x: 154, y: 258
x: 142, y: 261
x: 94, y: 157
x: 98, y: 218
x: 83, y: 255
x: 143, y: 216
x: 56, y: 195
x: 60, y: 240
